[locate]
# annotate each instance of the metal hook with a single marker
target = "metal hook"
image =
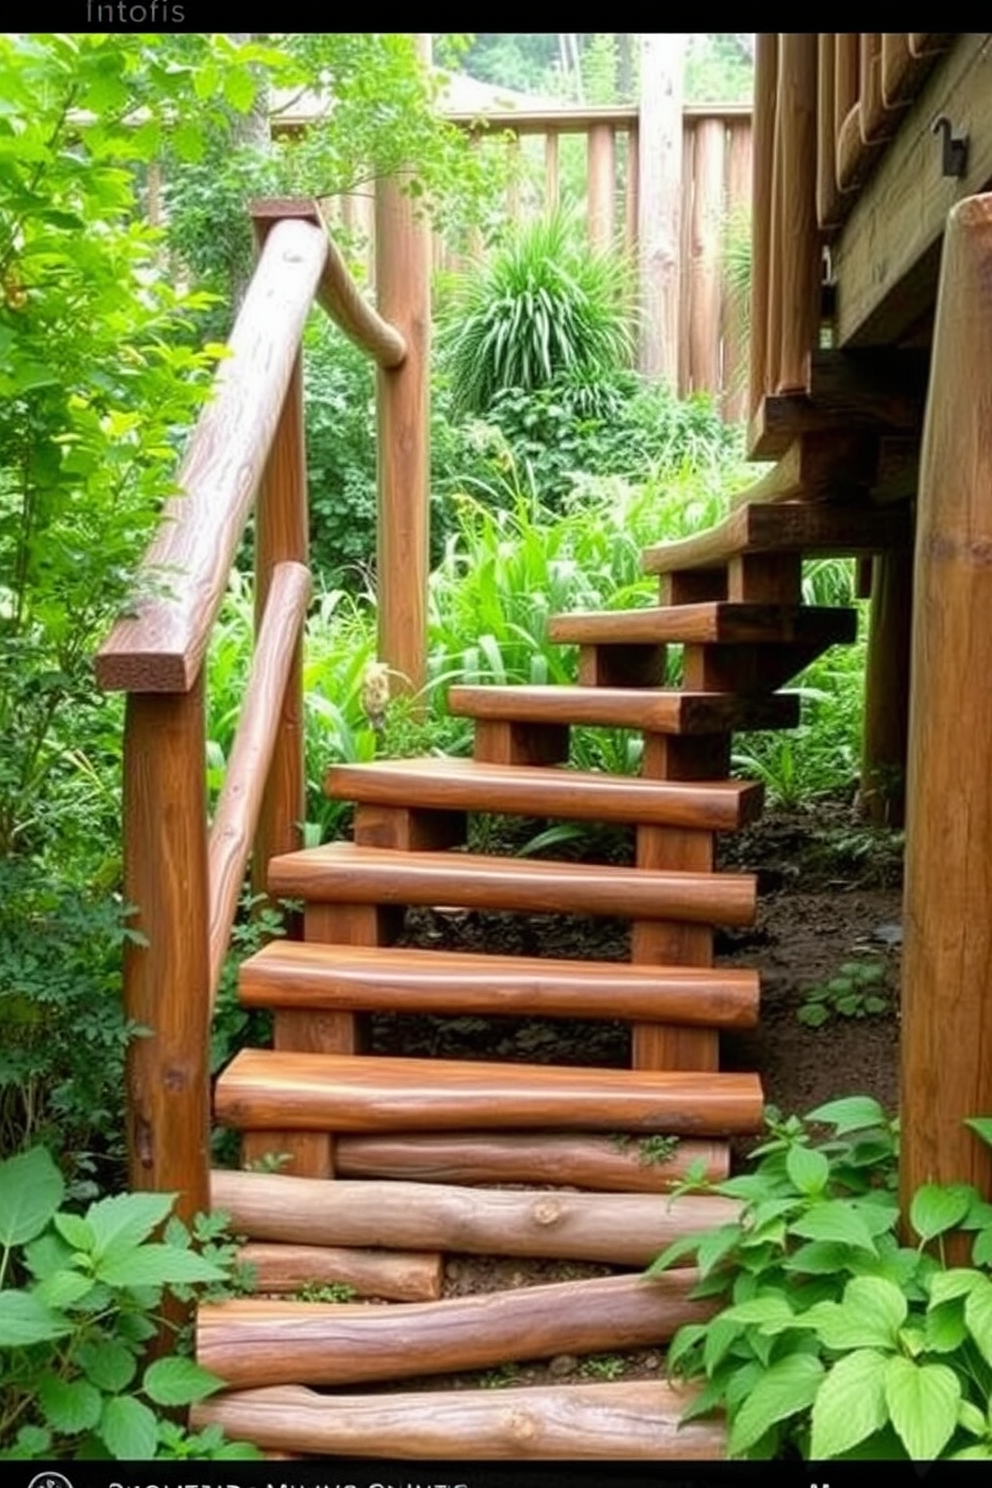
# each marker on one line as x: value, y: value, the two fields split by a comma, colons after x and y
x: 954, y: 148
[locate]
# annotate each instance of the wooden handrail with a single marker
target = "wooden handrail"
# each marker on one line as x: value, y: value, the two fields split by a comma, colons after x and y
x: 161, y: 647
x: 236, y: 817
x: 341, y: 298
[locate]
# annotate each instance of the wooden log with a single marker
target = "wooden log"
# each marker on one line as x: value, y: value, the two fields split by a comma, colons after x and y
x: 344, y: 302
x: 290, y: 974
x: 765, y: 89
x: 167, y: 974
x: 947, y: 958
x: 627, y: 1229
x: 617, y: 1164
x: 267, y: 1089
x: 706, y: 623
x: 600, y: 180
x: 635, y: 1420
x: 659, y: 203
x: 403, y: 270
x: 800, y: 279
x: 254, y: 748
x: 735, y: 313
x: 883, y: 754
x: 877, y: 122
x: 685, y: 258
x: 846, y: 115
x: 662, y: 710
x: 341, y: 872
x: 829, y: 201
x: 160, y: 648
x: 706, y: 234
x: 249, y: 1343
x: 783, y: 527
x: 393, y: 1275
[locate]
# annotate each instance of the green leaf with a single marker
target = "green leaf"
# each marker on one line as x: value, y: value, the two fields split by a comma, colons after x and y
x: 128, y: 1428
x: 156, y: 1265
x: 853, y: 1113
x: 923, y: 1403
x: 972, y: 1419
x: 838, y: 1220
x: 63, y: 1288
x: 978, y: 1316
x: 850, y: 1404
x: 108, y: 1364
x: 25, y: 1320
x: 177, y: 1381
x: 770, y: 1312
x: 957, y: 1282
x: 70, y: 1406
x: 715, y: 1245
x: 808, y: 1169
x: 945, y: 1328
x: 818, y: 1258
x: 31, y: 1190
x: 75, y: 1231
x: 786, y: 1389
x: 982, y: 1125
x: 935, y: 1209
x: 981, y: 1250
x: 123, y: 1221
x: 720, y: 1338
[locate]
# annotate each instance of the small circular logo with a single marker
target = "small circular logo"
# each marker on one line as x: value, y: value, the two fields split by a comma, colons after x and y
x: 49, y: 1480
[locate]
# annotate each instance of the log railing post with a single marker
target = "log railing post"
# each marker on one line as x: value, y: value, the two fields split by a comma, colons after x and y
x: 601, y: 181
x: 167, y: 975
x: 947, y: 965
x: 762, y: 226
x: 800, y: 243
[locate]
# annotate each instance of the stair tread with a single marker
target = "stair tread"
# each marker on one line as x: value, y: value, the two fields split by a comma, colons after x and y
x: 717, y: 621
x: 784, y: 527
x: 655, y: 710
x: 341, y: 872
x: 307, y: 974
x: 553, y: 791
x: 289, y: 1091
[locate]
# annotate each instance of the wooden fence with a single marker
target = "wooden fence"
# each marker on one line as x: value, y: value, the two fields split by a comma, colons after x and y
x: 712, y: 214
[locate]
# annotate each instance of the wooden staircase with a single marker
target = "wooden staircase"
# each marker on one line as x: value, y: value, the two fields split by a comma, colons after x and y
x: 433, y: 1157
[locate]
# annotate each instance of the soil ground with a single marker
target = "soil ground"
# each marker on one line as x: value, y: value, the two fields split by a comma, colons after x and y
x: 829, y: 894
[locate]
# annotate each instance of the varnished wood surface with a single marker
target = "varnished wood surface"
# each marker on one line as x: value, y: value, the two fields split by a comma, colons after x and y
x: 715, y: 621
x: 343, y: 873
x: 249, y: 1343
x: 402, y: 979
x: 306, y: 1092
x: 636, y: 1420
x: 473, y: 785
x: 656, y: 710
x: 618, y: 1229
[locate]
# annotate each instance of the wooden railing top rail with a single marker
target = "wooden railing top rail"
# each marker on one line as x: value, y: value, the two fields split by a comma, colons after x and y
x: 574, y: 120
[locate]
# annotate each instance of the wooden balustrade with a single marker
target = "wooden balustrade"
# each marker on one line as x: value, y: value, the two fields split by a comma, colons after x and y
x: 183, y: 875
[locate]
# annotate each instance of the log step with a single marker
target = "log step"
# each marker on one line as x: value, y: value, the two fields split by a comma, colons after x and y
x: 266, y: 1090
x: 342, y: 873
x: 655, y: 710
x: 636, y: 1420
x: 618, y: 1163
x: 471, y: 785
x: 391, y: 1275
x: 616, y: 1229
x: 785, y: 527
x: 251, y: 1342
x: 717, y: 621
x: 338, y: 978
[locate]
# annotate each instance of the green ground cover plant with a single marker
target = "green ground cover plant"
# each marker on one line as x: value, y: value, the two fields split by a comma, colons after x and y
x: 857, y: 990
x: 834, y: 1336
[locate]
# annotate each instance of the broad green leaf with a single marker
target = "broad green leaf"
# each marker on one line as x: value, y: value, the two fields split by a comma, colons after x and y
x: 957, y: 1282
x: 70, y: 1406
x: 786, y: 1389
x: 123, y: 1221
x: 715, y: 1245
x: 945, y: 1328
x: 75, y: 1231
x: 128, y: 1428
x: 978, y: 1316
x: 923, y: 1403
x: 872, y: 1312
x: 770, y: 1312
x: 808, y: 1169
x: 63, y: 1288
x: 25, y: 1320
x: 980, y: 1452
x: 720, y: 1338
x: 177, y: 1381
x: 154, y: 1266
x: 853, y: 1113
x: 108, y: 1364
x: 972, y: 1419
x: 835, y: 1220
x: 31, y: 1190
x: 982, y: 1125
x: 935, y: 1209
x: 818, y: 1258
x: 850, y: 1404
x: 981, y: 1250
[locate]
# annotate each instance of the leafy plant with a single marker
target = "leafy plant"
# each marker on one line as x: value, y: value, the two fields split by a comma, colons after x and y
x: 327, y: 1291
x: 833, y: 1338
x: 603, y: 1367
x: 79, y: 1305
x: 857, y: 991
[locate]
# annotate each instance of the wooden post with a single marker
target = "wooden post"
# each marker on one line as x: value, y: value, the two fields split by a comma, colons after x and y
x: 167, y: 980
x: 601, y: 175
x: 551, y: 189
x: 706, y: 236
x: 735, y: 311
x: 659, y: 202
x: 800, y: 259
x: 947, y: 966
x: 403, y: 254
x: 883, y: 757
x: 765, y: 73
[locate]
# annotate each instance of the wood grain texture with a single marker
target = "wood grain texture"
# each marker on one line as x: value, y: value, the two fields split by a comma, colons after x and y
x: 765, y: 91
x: 472, y: 785
x: 160, y: 648
x: 249, y: 1343
x: 618, y: 1229
x: 706, y: 234
x: 600, y: 185
x: 788, y: 526
x: 344, y: 302
x: 293, y: 974
x: 886, y: 717
x: 621, y: 1421
x: 716, y: 621
x: 341, y: 872
x: 615, y: 1164
x: 661, y: 710
x: 800, y: 264
x: 262, y: 1089
x: 947, y: 958
x: 392, y: 1275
